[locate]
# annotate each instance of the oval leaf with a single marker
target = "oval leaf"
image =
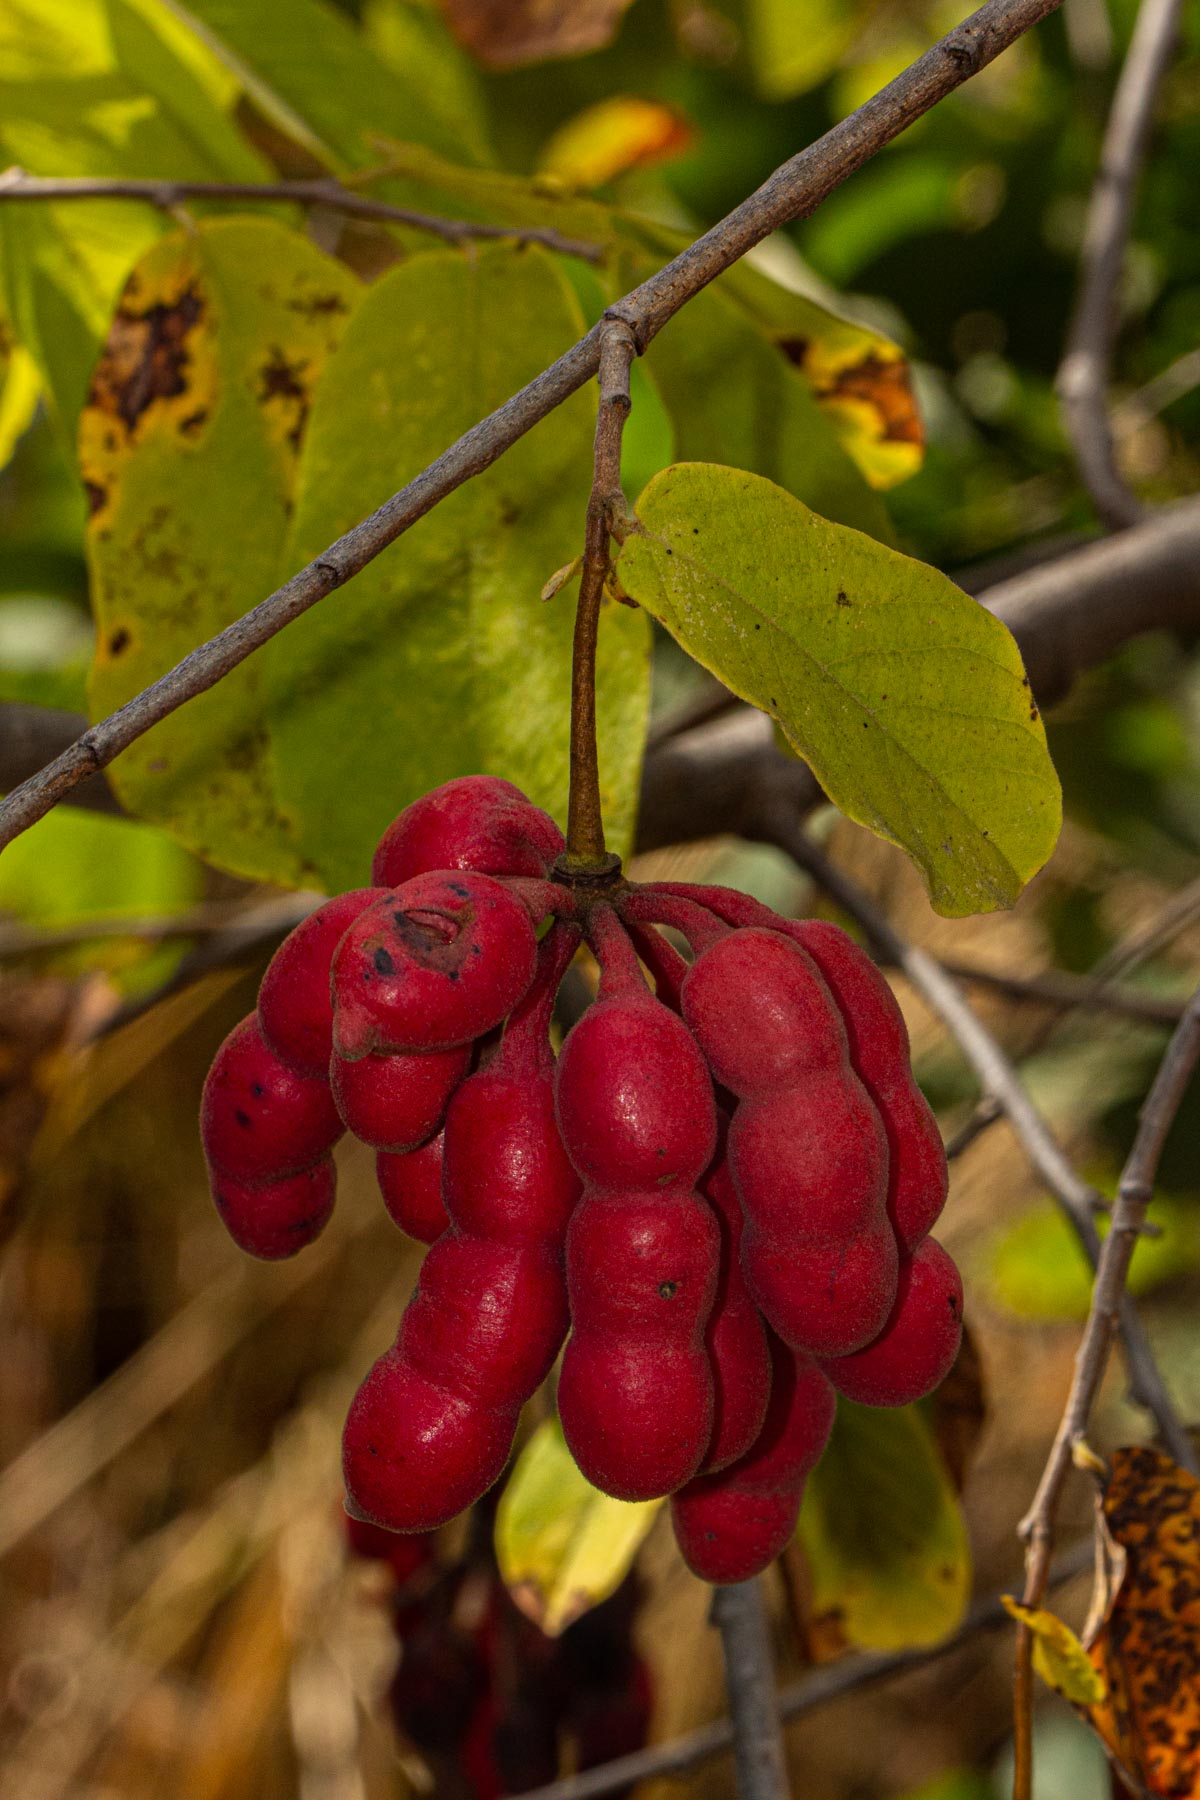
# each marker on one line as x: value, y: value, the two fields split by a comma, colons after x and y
x: 563, y: 1546
x: 883, y: 1532
x: 906, y: 696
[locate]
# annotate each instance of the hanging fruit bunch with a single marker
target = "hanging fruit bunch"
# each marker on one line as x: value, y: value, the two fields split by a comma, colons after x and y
x: 718, y: 1196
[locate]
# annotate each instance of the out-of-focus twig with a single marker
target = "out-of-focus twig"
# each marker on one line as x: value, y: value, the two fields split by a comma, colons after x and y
x: 1134, y: 1193
x: 1083, y: 377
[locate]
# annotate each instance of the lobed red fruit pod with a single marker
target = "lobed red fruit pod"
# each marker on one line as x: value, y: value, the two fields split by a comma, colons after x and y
x: 411, y: 1185
x: 635, y: 1391
x: 295, y: 1007
x: 275, y: 1219
x: 634, y: 1097
x: 735, y: 1337
x: 474, y: 822
x: 259, y: 1120
x: 916, y: 1349
x: 433, y: 964
x: 396, y: 1102
x: 432, y: 1426
x: 730, y: 1526
x: 918, y: 1176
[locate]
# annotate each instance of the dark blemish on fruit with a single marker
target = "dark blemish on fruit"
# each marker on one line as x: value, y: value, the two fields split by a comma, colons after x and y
x: 464, y: 893
x: 257, y: 1089
x: 383, y: 962
x: 666, y: 1290
x: 243, y: 1119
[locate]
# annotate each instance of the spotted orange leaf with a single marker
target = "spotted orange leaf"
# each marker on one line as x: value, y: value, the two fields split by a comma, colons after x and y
x: 1146, y: 1646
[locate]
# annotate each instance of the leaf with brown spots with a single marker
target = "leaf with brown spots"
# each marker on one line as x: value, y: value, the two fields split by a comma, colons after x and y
x: 1147, y: 1644
x: 505, y: 34
x: 189, y: 447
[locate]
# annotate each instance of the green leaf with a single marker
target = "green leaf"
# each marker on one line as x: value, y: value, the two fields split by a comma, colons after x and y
x: 1035, y: 1269
x: 441, y: 659
x: 307, y: 63
x: 189, y: 447
x: 787, y: 60
x: 96, y: 87
x: 265, y: 443
x: 1058, y: 1656
x: 563, y: 1546
x: 907, y: 697
x: 733, y: 398
x: 74, y: 866
x: 883, y: 1531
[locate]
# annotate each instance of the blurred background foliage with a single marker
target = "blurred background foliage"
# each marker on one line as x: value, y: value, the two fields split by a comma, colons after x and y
x: 180, y: 1614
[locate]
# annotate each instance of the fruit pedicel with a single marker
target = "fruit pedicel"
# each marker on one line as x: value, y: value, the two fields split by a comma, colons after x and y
x: 715, y: 1201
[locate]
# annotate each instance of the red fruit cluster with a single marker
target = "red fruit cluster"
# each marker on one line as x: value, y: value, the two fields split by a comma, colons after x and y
x: 722, y: 1188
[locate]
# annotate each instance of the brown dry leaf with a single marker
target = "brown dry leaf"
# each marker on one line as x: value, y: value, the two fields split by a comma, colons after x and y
x: 1147, y: 1647
x: 504, y: 34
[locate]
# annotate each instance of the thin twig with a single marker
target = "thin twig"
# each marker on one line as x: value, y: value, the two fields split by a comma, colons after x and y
x: 1084, y: 374
x: 793, y: 192
x: 166, y: 195
x: 606, y: 504
x: 833, y: 1682
x: 1134, y: 1193
x: 1072, y: 993
x: 999, y: 1079
x: 741, y: 1617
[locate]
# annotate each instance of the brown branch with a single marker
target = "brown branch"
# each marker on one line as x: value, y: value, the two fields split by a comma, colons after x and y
x: 1001, y: 1083
x: 15, y: 184
x: 1134, y: 1194
x: 821, y: 1688
x: 793, y: 192
x: 606, y: 504
x: 1084, y: 374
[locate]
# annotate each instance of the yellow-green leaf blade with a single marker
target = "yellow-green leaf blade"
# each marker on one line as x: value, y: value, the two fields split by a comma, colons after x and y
x: 188, y: 447
x: 907, y: 698
x: 1058, y: 1656
x: 563, y: 1546
x: 441, y: 658
x: 884, y: 1533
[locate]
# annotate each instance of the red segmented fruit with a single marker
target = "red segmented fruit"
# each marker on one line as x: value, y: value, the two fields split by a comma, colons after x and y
x: 474, y: 822
x: 295, y: 1008
x: 635, y: 1393
x: 397, y: 1102
x: 258, y: 1118
x: 918, y: 1345
x: 436, y: 963
x: 731, y: 1525
x: 635, y: 1100
x: 879, y: 1050
x: 735, y: 1338
x: 411, y: 1185
x: 275, y: 1219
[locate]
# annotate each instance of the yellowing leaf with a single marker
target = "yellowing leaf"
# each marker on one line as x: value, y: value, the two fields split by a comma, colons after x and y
x: 1146, y: 1650
x: 861, y: 379
x: 19, y: 392
x: 1058, y: 1656
x: 620, y: 133
x: 189, y: 446
x: 883, y: 1532
x: 906, y: 697
x: 562, y: 1546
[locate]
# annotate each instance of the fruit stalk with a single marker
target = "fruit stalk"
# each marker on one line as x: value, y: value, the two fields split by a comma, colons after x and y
x: 585, y: 823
